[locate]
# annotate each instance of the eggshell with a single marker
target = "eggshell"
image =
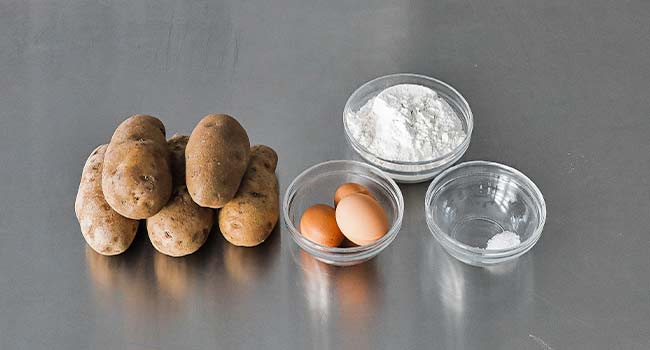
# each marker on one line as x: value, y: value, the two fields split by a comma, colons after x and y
x: 318, y: 224
x: 361, y: 219
x: 349, y: 188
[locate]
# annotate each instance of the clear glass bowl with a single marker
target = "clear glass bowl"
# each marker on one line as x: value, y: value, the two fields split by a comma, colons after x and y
x: 318, y: 184
x: 410, y: 172
x: 469, y: 203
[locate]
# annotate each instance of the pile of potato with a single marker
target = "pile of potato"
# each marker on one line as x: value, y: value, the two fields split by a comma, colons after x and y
x: 177, y: 185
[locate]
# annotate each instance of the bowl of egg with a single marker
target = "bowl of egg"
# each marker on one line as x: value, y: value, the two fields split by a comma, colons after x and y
x: 343, y: 212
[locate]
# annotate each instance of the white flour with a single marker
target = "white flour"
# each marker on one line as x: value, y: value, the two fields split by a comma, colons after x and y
x: 406, y: 123
x: 503, y: 240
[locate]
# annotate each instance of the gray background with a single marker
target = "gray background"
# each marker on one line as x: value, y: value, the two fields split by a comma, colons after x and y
x: 559, y: 90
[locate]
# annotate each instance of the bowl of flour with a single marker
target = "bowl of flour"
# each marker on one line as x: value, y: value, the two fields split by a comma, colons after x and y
x: 410, y: 126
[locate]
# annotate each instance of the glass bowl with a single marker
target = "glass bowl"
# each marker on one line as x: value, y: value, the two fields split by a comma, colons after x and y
x: 410, y: 172
x: 469, y: 203
x: 318, y: 184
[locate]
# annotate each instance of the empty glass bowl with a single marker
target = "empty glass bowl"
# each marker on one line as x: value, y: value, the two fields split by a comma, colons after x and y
x: 469, y: 203
x: 410, y: 172
x: 318, y: 184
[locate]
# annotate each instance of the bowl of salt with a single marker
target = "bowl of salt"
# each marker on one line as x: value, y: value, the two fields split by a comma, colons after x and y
x: 485, y: 213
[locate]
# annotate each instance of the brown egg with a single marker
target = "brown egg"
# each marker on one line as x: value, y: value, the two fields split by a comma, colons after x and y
x: 349, y: 188
x: 361, y: 219
x: 318, y: 224
x: 347, y: 244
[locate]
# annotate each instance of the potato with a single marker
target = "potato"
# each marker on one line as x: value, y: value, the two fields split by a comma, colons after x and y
x: 136, y: 179
x: 248, y: 219
x: 216, y: 157
x: 177, y: 146
x: 182, y: 226
x: 105, y: 231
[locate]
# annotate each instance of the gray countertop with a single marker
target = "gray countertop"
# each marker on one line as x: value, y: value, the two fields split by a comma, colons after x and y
x: 559, y: 90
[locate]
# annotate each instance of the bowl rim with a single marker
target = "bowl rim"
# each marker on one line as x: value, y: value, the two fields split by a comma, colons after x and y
x: 461, y: 147
x: 337, y: 251
x: 451, y: 243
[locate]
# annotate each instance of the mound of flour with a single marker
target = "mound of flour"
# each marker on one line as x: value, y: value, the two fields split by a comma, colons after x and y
x: 406, y: 122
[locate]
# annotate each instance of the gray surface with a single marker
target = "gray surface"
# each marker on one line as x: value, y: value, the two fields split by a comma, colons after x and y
x: 560, y: 90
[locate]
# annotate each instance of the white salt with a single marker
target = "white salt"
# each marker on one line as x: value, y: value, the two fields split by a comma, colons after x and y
x: 503, y: 240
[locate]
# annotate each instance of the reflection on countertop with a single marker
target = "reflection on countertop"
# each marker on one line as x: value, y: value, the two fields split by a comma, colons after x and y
x: 143, y: 285
x: 346, y: 294
x: 498, y: 293
x: 244, y: 265
x: 123, y: 278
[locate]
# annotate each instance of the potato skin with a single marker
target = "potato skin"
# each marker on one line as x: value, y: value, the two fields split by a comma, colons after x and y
x: 105, y: 231
x: 248, y: 219
x: 216, y: 157
x: 181, y: 226
x: 177, y: 145
x: 136, y: 179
